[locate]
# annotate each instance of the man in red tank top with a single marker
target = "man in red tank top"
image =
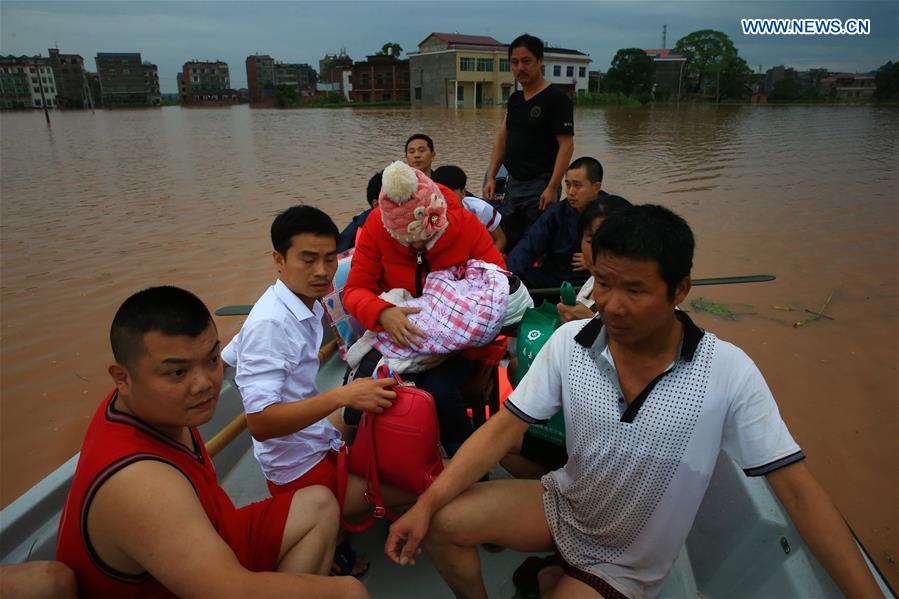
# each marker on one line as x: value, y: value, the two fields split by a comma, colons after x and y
x: 145, y: 516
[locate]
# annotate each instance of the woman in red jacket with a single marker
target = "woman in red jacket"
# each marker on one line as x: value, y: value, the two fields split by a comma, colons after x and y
x: 419, y: 226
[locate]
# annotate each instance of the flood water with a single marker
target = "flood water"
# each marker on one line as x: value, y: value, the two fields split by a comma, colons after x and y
x: 102, y: 205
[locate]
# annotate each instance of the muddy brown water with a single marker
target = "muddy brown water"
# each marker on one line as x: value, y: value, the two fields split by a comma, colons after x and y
x: 101, y: 205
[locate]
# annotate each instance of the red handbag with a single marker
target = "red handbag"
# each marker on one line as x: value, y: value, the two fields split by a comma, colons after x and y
x: 400, y: 446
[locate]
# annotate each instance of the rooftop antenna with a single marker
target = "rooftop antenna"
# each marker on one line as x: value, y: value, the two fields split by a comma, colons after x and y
x: 664, y: 37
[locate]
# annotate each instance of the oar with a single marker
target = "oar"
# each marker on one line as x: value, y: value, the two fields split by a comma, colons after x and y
x: 732, y: 280
x: 552, y: 292
x: 548, y: 292
x: 234, y: 310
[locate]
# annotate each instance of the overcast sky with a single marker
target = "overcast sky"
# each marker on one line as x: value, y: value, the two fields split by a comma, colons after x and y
x: 170, y: 33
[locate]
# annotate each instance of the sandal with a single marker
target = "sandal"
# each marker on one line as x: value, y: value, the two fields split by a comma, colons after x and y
x: 346, y: 561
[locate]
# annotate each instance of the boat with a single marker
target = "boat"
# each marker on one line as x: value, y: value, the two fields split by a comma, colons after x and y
x: 742, y: 543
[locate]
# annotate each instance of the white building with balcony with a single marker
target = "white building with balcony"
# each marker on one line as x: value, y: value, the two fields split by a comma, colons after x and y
x: 567, y: 69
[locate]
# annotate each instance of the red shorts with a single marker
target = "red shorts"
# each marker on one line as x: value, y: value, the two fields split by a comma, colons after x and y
x: 256, y: 531
x: 324, y: 473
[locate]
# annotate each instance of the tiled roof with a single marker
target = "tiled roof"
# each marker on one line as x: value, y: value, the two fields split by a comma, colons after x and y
x: 663, y: 54
x: 549, y: 50
x: 457, y: 38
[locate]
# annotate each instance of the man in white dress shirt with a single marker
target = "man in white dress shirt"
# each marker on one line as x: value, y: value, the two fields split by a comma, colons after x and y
x: 276, y: 357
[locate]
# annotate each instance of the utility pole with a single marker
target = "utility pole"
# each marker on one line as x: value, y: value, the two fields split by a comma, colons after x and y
x: 664, y: 37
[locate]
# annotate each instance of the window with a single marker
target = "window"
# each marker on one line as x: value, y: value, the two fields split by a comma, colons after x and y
x: 385, y: 96
x: 466, y: 64
x: 506, y: 90
x: 557, y: 70
x: 418, y: 93
x: 582, y: 71
x: 504, y: 65
x: 569, y: 71
x: 460, y: 93
x: 485, y: 65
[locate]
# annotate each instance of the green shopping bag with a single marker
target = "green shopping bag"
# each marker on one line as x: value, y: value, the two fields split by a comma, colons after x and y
x: 535, y: 329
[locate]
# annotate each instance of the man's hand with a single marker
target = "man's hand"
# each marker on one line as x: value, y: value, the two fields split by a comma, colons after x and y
x: 577, y: 261
x: 576, y: 312
x: 549, y: 196
x: 406, y: 534
x: 370, y: 395
x: 489, y: 188
x: 400, y: 329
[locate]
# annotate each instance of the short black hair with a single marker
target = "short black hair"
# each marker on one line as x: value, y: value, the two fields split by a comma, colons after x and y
x: 297, y: 220
x: 593, y: 166
x: 649, y: 232
x: 533, y: 44
x: 374, y: 188
x: 415, y: 136
x: 450, y: 176
x: 168, y: 310
x: 601, y: 207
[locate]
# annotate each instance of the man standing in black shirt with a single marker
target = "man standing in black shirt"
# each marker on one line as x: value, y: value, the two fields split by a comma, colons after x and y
x: 535, y: 142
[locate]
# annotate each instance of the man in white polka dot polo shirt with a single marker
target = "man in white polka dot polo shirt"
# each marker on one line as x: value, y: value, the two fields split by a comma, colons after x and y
x: 649, y: 401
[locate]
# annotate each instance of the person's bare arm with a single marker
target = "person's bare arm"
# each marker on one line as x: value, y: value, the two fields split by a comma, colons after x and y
x: 148, y: 517
x: 576, y: 312
x: 823, y: 529
x: 499, y: 238
x: 496, y: 159
x: 477, y: 455
x: 280, y: 419
x: 563, y: 159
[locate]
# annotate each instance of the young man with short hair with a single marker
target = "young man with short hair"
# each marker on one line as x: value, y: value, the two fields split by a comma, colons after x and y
x: 535, y: 141
x: 420, y: 152
x: 347, y: 238
x: 455, y: 179
x: 650, y: 400
x: 554, y: 242
x: 145, y: 515
x: 275, y: 354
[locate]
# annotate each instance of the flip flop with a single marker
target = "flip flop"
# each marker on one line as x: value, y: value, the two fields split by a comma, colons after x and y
x: 345, y: 559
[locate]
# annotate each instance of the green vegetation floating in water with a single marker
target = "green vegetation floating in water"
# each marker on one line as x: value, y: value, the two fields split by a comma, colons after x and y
x: 601, y: 99
x: 816, y: 315
x: 713, y: 308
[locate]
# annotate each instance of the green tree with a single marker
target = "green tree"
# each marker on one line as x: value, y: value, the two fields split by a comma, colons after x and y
x: 887, y: 80
x: 785, y: 90
x: 286, y: 96
x: 391, y: 49
x: 713, y: 65
x: 630, y: 73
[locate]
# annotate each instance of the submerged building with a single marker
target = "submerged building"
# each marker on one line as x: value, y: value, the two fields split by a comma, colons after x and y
x: 27, y: 82
x: 206, y: 84
x: 127, y: 81
x: 455, y: 70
